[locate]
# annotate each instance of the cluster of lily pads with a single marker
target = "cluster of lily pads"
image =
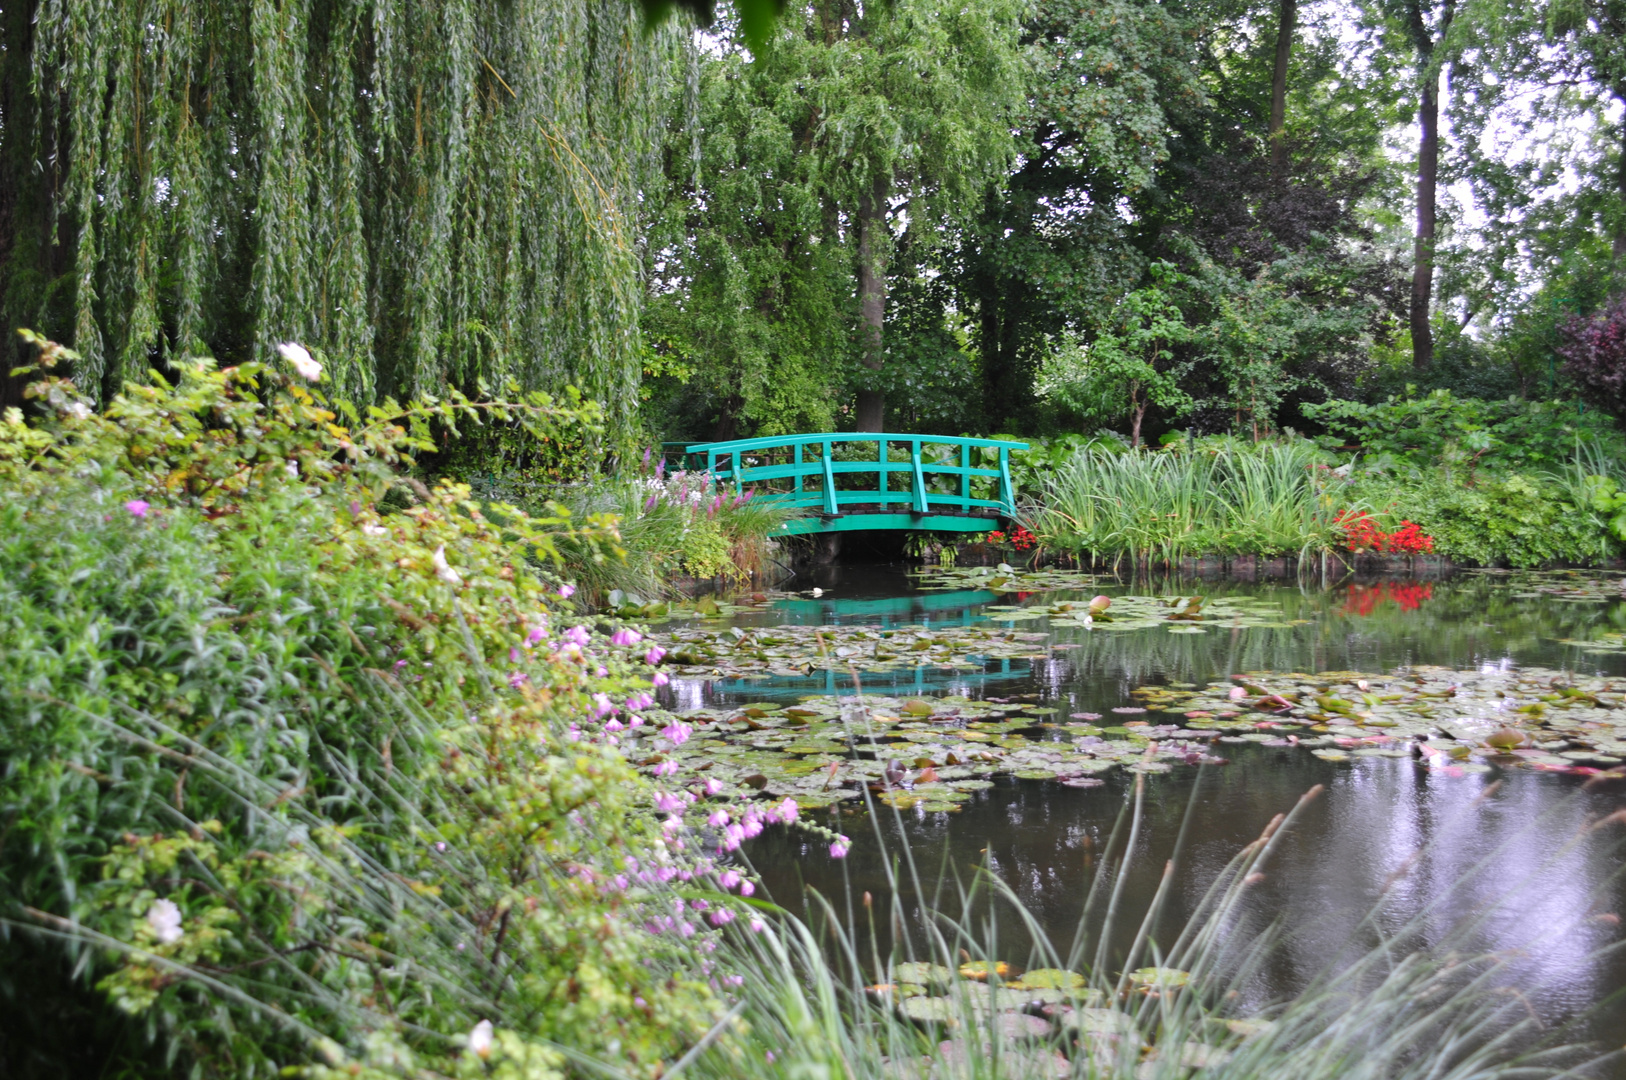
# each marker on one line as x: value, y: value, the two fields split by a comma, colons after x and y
x: 1047, y: 1012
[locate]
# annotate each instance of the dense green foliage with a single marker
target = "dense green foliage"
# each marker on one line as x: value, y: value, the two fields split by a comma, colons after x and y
x: 427, y: 194
x: 289, y: 779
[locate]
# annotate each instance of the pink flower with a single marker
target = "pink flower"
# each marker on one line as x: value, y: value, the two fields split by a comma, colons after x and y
x: 678, y: 732
x: 746, y: 888
x: 613, y: 724
x: 567, y: 591
x: 671, y: 823
x: 728, y: 879
x: 601, y: 704
x: 666, y: 768
x: 517, y: 679
x: 138, y: 507
x: 713, y: 786
x: 668, y: 803
x: 788, y: 810
x: 660, y: 678
x: 838, y: 850
x: 757, y: 927
x: 654, y: 655
x: 536, y: 635
x: 753, y: 826
x: 649, y: 504
x: 626, y: 637
x: 733, y: 837
x: 578, y: 635
x: 513, y: 656
x: 640, y: 701
x: 718, y: 819
x: 721, y: 916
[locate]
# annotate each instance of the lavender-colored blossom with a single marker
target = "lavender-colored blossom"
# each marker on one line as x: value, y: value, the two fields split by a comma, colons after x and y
x: 612, y: 724
x: 517, y: 679
x: 626, y: 637
x: 660, y: 678
x: 649, y: 504
x: 602, y: 704
x: 728, y: 879
x: 640, y: 701
x: 536, y: 635
x: 788, y: 810
x: 567, y: 591
x: 718, y: 819
x: 721, y: 916
x: 757, y: 927
x: 513, y: 655
x: 838, y: 850
x: 655, y: 655
x: 578, y: 635
x: 713, y: 786
x: 138, y: 507
x: 672, y: 823
x: 667, y: 803
x: 752, y: 826
x: 746, y: 888
x: 666, y: 768
x: 678, y: 732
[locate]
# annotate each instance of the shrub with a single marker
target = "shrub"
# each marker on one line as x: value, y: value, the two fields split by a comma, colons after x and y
x: 1594, y: 354
x: 292, y: 780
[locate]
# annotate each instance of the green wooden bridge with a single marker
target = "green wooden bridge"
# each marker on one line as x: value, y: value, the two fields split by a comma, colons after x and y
x: 869, y: 480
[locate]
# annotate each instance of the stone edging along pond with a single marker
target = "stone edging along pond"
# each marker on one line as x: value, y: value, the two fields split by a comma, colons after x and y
x: 940, y: 750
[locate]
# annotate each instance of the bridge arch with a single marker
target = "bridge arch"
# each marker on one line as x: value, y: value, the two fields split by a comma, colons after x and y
x: 849, y: 481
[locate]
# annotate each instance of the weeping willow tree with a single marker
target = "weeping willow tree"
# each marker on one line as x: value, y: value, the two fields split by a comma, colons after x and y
x: 429, y: 192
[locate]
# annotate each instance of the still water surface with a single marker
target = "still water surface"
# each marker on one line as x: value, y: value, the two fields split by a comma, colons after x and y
x: 1512, y: 849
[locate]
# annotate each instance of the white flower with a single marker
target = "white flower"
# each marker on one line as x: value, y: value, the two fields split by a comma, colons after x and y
x: 295, y: 354
x: 293, y: 469
x: 78, y: 410
x: 374, y: 530
x: 480, y: 1038
x: 443, y: 569
x: 165, y: 919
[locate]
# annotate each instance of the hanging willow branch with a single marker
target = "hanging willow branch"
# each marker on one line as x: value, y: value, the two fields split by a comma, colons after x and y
x: 429, y: 192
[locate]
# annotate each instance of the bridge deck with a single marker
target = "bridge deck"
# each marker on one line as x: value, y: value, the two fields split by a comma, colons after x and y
x: 885, y: 481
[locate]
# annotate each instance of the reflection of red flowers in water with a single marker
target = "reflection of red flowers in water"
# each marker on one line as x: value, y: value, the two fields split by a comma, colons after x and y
x: 1364, y: 599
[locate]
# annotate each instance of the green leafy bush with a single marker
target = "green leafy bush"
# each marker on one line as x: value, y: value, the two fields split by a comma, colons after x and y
x: 1440, y: 429
x: 291, y: 780
x: 1517, y: 519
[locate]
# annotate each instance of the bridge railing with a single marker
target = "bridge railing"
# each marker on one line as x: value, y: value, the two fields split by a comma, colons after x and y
x: 880, y: 469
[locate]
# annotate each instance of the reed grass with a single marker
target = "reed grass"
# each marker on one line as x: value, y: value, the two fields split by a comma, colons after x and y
x: 1163, y: 506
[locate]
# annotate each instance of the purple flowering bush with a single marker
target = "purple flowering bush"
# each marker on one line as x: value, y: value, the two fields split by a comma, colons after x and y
x: 296, y: 782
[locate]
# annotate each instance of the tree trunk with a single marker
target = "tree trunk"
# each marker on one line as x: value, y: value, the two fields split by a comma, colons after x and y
x: 872, y: 241
x: 1137, y: 410
x: 1618, y: 247
x: 1287, y: 18
x: 1428, y: 170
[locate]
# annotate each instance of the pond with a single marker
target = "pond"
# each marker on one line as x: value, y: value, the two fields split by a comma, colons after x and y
x: 1019, y: 721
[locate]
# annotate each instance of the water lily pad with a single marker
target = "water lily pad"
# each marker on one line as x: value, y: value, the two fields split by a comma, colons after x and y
x: 1050, y: 978
x: 981, y: 969
x: 923, y: 973
x: 929, y: 1010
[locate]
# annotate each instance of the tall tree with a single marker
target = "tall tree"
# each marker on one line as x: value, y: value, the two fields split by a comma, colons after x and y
x: 425, y: 192
x: 1286, y: 20
x: 851, y: 126
x: 1051, y: 252
x: 1426, y: 22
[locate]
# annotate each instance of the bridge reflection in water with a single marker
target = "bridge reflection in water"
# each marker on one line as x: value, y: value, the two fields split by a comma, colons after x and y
x: 958, y: 607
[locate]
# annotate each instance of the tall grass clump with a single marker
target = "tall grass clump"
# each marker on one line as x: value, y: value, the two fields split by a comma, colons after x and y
x: 1161, y: 506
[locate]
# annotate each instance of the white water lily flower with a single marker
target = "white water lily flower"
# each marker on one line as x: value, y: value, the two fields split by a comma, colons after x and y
x: 443, y: 569
x: 165, y: 919
x: 303, y: 363
x: 480, y: 1038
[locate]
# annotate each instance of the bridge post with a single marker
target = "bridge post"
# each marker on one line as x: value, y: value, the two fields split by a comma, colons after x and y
x: 965, y: 476
x: 920, y: 477
x: 1007, y: 493
x: 829, y: 481
x: 880, y: 457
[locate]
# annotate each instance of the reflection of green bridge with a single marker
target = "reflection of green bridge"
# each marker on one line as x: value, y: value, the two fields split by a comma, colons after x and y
x: 887, y: 484
x: 959, y: 607
x: 889, y: 682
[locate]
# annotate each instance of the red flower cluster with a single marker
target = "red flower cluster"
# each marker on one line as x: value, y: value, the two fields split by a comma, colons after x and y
x: 1019, y: 538
x: 1361, y: 533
